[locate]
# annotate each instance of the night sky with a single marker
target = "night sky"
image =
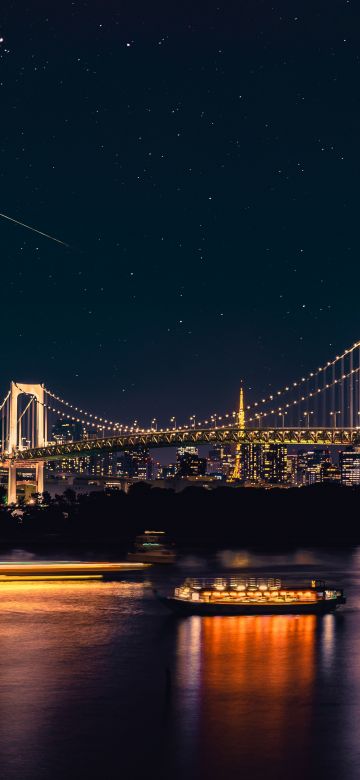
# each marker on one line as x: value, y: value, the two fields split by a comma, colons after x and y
x: 201, y: 159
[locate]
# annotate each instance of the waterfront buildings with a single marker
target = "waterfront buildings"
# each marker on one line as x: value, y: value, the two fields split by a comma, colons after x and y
x: 349, y: 462
x: 220, y: 461
x: 292, y: 469
x: 66, y: 430
x: 329, y: 472
x: 261, y: 464
x: 314, y: 465
x: 189, y: 464
x: 274, y: 464
x: 252, y: 463
x: 135, y: 464
x: 168, y: 472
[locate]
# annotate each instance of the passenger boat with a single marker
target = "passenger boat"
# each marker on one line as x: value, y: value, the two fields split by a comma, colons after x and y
x: 151, y: 547
x: 252, y: 596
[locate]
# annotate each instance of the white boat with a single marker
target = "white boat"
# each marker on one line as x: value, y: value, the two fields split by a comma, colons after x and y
x: 151, y: 547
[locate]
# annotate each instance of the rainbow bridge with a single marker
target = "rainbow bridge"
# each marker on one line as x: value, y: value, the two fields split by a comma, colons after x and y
x: 321, y: 408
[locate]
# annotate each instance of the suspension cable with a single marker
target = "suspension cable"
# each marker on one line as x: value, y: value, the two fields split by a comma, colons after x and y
x: 308, y: 377
x: 81, y: 411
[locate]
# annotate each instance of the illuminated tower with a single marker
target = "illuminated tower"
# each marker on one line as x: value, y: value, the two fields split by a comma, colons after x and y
x: 237, y: 472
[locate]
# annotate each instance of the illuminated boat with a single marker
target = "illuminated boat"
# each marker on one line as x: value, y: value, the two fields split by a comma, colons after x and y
x: 151, y: 547
x: 252, y: 596
x: 13, y: 571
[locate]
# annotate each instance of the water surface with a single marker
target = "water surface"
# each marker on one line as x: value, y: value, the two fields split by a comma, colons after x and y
x: 96, y: 680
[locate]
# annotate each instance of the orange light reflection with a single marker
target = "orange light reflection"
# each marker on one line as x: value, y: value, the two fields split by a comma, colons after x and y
x: 255, y: 679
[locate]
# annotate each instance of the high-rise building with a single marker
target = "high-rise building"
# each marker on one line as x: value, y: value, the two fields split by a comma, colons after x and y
x: 168, y: 472
x: 214, y: 459
x: 189, y: 464
x: 259, y: 463
x: 69, y: 466
x: 292, y: 469
x: 329, y: 472
x: 349, y: 461
x: 274, y: 464
x: 313, y: 465
x: 67, y: 430
x: 228, y: 462
x: 252, y: 462
x: 102, y: 464
x: 220, y: 461
x: 135, y: 464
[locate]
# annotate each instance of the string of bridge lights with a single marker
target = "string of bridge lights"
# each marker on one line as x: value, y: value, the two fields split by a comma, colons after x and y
x: 313, y: 394
x: 112, y: 423
x: 213, y: 420
x: 71, y: 417
x: 311, y: 376
x: 115, y: 426
x: 126, y: 429
x: 102, y: 428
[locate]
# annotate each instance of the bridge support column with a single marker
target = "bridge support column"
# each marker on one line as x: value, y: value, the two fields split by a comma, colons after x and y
x: 11, y: 497
x: 40, y: 477
x: 38, y: 392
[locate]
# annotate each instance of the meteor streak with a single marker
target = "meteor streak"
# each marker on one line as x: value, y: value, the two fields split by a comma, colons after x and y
x: 34, y: 230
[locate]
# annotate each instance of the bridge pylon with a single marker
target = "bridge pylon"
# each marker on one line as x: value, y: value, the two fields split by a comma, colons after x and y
x: 37, y: 392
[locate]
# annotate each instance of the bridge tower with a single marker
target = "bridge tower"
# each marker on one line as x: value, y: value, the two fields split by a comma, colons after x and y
x: 237, y: 472
x: 37, y: 392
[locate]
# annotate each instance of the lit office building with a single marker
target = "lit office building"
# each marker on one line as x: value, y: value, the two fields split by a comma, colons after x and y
x: 135, y: 464
x: 274, y: 464
x: 189, y: 464
x: 329, y: 472
x: 292, y: 469
x: 349, y: 462
x: 214, y: 460
x: 69, y: 466
x: 67, y: 430
x: 220, y: 461
x: 228, y: 463
x: 252, y: 462
x: 102, y: 464
x: 168, y: 472
x: 313, y: 465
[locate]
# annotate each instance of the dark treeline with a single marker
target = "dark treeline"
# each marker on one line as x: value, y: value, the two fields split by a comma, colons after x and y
x: 323, y: 515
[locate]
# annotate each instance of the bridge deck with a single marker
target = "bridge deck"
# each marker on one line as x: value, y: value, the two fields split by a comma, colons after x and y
x: 328, y: 437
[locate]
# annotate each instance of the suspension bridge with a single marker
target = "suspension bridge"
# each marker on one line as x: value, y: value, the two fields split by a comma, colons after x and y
x: 321, y: 408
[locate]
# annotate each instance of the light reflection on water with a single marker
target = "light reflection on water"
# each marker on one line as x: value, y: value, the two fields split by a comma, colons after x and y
x: 96, y: 680
x: 256, y: 676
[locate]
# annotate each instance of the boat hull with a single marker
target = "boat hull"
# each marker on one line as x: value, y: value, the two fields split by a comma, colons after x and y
x: 183, y: 608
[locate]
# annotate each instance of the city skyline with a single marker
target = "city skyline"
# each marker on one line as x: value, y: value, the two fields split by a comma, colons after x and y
x: 259, y: 464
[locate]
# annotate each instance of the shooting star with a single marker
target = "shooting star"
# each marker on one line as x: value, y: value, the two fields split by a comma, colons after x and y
x: 34, y: 230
